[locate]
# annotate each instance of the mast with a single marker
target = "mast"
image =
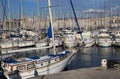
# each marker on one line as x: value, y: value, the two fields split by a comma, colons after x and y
x: 104, y: 15
x: 9, y: 15
x: 75, y: 17
x: 21, y: 8
x: 76, y: 21
x: 20, y: 16
x: 37, y: 24
x: 117, y: 17
x: 51, y: 21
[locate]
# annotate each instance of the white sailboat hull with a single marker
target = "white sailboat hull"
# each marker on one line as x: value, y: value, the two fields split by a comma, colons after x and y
x: 9, y: 44
x: 26, y: 43
x: 70, y: 44
x: 13, y: 44
x: 41, y: 44
x: 104, y: 38
x: 51, y: 69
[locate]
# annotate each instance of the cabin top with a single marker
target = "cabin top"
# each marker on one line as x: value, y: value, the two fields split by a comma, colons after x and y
x: 34, y: 58
x: 15, y: 61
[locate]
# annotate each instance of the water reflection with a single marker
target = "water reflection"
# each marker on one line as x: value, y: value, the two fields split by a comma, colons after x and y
x: 91, y: 57
x: 117, y: 52
x: 105, y: 52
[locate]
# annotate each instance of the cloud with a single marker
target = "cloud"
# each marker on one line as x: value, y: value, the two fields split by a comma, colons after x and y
x: 94, y: 11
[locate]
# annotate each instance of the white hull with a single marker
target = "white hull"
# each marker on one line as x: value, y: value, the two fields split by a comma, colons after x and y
x: 104, y: 38
x: 105, y: 43
x: 51, y: 69
x: 13, y: 44
x: 9, y: 44
x: 41, y: 44
x: 116, y: 34
x: 117, y: 43
x: 70, y: 44
x: 89, y: 43
x: 26, y: 43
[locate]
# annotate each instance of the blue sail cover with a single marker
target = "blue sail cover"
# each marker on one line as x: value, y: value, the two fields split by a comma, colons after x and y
x: 16, y: 35
x: 50, y: 31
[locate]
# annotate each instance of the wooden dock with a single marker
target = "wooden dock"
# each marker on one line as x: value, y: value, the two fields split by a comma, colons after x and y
x: 87, y: 73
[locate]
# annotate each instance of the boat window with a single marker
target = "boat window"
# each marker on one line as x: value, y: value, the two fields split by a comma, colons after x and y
x: 49, y: 62
x: 22, y: 67
x: 41, y: 64
x: 30, y: 66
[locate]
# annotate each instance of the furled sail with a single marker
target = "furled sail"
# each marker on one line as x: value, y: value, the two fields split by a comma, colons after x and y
x: 50, y: 31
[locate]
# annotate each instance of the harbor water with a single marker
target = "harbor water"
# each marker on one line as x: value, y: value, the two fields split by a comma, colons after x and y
x: 92, y: 56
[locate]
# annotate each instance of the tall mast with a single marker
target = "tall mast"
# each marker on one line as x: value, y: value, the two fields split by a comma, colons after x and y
x: 117, y: 17
x: 21, y: 16
x: 51, y: 21
x: 38, y: 7
x: 9, y: 27
x: 104, y: 15
x: 38, y: 20
x: 21, y: 8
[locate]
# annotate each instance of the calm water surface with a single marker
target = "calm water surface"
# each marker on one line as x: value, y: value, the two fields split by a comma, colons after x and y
x: 91, y: 57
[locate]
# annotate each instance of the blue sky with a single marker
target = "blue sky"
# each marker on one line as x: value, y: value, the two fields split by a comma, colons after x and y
x: 30, y: 6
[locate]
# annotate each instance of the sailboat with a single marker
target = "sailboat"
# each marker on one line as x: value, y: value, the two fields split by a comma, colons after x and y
x: 24, y: 68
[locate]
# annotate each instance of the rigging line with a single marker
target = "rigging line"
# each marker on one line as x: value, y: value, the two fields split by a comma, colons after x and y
x: 4, y: 7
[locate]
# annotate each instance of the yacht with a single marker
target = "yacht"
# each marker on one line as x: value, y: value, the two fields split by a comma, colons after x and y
x: 70, y: 39
x: 104, y: 38
x: 88, y: 40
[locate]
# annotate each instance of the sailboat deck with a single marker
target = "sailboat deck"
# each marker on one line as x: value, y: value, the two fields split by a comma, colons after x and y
x: 18, y: 61
x: 35, y: 58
